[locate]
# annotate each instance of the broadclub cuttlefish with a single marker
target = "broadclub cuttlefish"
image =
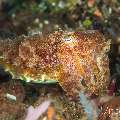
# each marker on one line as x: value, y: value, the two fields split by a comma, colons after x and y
x: 75, y: 60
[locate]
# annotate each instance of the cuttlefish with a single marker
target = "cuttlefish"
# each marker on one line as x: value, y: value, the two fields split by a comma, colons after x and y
x: 75, y: 60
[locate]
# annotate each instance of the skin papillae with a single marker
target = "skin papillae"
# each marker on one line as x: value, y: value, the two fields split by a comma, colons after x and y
x: 110, y: 109
x: 76, y: 60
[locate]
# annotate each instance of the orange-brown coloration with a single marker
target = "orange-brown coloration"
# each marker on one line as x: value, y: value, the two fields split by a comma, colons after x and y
x: 50, y: 113
x: 76, y: 60
x: 110, y: 109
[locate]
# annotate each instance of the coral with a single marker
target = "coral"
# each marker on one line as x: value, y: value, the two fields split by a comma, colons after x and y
x: 89, y: 107
x: 35, y: 113
x: 62, y: 107
x: 76, y: 60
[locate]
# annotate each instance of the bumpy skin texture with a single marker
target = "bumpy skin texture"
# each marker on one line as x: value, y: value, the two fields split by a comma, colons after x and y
x: 76, y: 60
x: 110, y: 110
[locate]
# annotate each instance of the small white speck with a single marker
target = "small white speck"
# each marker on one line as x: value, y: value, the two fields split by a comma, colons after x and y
x: 12, y: 97
x: 53, y: 3
x: 61, y: 4
x: 13, y: 15
x: 36, y: 20
x: 40, y: 25
x: 46, y: 22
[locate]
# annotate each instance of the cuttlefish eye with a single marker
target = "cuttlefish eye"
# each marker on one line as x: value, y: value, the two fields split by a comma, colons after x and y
x: 69, y: 39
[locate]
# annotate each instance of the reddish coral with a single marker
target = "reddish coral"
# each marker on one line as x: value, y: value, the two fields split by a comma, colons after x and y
x: 110, y: 110
x: 77, y: 60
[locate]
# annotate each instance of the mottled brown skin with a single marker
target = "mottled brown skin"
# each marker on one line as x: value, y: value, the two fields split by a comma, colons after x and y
x: 110, y: 109
x: 76, y: 60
